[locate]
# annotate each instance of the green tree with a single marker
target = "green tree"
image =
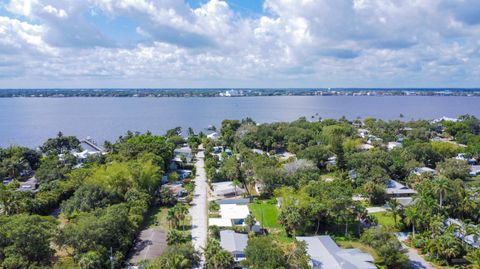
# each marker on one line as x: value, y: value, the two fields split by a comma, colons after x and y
x: 394, y: 208
x: 264, y: 253
x: 441, y: 187
x: 387, y: 246
x: 454, y: 169
x: 319, y: 154
x: 474, y: 258
x: 175, y: 237
x: 90, y: 260
x: 61, y: 144
x: 250, y: 221
x: 181, y: 256
x: 25, y: 241
x: 216, y: 257
x: 411, y: 217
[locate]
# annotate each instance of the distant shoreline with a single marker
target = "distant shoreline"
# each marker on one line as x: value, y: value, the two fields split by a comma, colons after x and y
x: 157, y: 93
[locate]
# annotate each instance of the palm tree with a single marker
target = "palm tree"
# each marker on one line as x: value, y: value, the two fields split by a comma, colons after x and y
x: 178, y: 261
x: 216, y: 257
x: 474, y: 258
x: 236, y: 183
x: 441, y: 186
x: 175, y: 237
x: 250, y: 221
x: 394, y: 207
x: 411, y: 216
x: 181, y: 212
x: 172, y: 218
x: 14, y: 166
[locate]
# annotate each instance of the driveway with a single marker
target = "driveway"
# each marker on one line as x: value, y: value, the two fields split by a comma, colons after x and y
x: 417, y: 261
x: 150, y: 244
x: 198, y: 210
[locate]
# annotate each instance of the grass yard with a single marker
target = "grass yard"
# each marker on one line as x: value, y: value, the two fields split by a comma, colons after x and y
x: 384, y: 218
x: 359, y: 245
x: 266, y: 213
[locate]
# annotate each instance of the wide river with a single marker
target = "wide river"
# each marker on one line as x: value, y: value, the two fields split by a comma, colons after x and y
x: 30, y: 121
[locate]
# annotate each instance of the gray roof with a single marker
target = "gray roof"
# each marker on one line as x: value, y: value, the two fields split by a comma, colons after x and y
x: 233, y: 242
x: 395, y: 187
x: 325, y: 254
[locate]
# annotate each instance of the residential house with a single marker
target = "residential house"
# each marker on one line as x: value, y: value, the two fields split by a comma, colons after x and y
x: 326, y: 254
x: 183, y: 152
x: 363, y: 133
x: 424, y: 170
x: 474, y: 170
x: 235, y: 243
x: 461, y: 233
x: 444, y: 119
x: 213, y: 136
x: 230, y: 215
x: 226, y: 189
x: 462, y: 157
x: 394, y: 145
x: 396, y: 189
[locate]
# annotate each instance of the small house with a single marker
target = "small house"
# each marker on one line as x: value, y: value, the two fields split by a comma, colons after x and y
x: 235, y: 243
x: 424, y: 170
x: 474, y: 170
x: 396, y: 189
x: 226, y: 189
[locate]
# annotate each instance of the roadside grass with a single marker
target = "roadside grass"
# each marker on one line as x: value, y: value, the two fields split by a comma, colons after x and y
x: 384, y: 219
x: 266, y: 213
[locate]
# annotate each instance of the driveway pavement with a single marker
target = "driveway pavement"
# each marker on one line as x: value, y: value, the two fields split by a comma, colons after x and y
x: 198, y: 210
x: 417, y: 261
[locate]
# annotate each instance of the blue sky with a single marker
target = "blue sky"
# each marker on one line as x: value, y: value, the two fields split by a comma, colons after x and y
x: 239, y: 43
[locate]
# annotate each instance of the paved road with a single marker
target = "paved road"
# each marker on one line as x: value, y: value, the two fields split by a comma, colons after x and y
x: 198, y: 210
x: 151, y: 243
x: 417, y: 261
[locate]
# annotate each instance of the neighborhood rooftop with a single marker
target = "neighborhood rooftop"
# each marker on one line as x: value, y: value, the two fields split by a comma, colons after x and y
x: 326, y: 254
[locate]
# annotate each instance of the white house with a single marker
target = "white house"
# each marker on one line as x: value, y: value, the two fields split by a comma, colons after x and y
x: 394, y: 145
x: 213, y: 136
x: 230, y: 215
x: 423, y: 170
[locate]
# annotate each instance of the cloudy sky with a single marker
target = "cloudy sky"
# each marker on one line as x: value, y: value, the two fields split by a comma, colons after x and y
x: 239, y: 43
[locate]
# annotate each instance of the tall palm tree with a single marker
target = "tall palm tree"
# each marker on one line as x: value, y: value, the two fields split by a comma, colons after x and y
x: 172, y: 218
x: 181, y: 212
x: 441, y: 186
x: 236, y: 183
x: 394, y: 208
x: 411, y: 217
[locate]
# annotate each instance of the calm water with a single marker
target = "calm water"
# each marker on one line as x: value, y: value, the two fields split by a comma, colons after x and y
x: 30, y: 121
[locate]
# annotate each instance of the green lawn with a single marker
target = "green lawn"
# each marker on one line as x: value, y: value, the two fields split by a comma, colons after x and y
x: 359, y: 245
x: 384, y: 218
x: 267, y: 214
